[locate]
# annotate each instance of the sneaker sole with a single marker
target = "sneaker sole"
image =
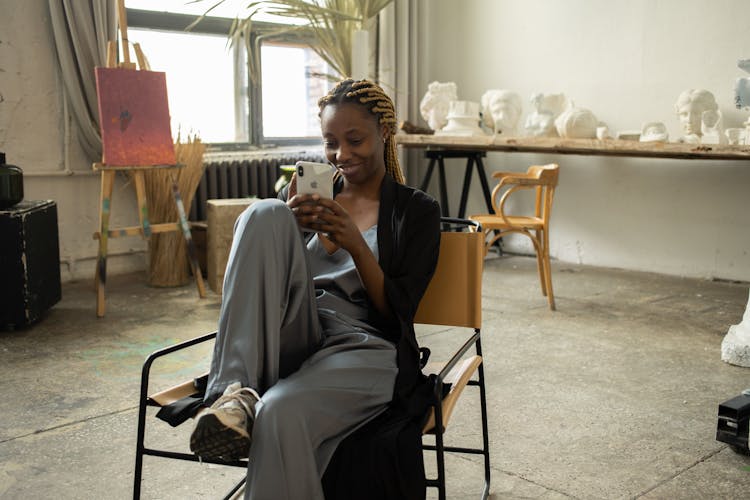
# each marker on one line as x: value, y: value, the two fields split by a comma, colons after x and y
x: 213, y: 440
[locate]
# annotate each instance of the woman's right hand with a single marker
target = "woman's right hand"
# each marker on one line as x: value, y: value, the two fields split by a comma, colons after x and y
x: 305, y: 209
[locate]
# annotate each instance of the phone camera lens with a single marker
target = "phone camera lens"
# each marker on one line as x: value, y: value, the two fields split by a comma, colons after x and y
x: 300, y: 170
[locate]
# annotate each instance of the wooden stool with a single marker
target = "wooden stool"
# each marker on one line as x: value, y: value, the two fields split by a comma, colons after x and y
x: 146, y: 229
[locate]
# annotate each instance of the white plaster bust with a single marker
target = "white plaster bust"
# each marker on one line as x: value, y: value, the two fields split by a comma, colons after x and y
x: 712, y: 128
x: 546, y: 107
x: 435, y: 103
x: 690, y: 106
x: 463, y: 119
x: 654, y: 131
x: 501, y: 111
x: 576, y: 123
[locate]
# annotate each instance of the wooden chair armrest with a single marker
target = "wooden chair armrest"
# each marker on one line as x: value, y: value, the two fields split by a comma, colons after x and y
x: 511, y: 175
x: 458, y: 377
x: 175, y: 393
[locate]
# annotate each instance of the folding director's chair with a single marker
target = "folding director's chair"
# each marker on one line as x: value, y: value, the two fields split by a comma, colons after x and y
x: 453, y: 298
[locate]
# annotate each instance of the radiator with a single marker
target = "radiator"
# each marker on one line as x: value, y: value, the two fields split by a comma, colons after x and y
x: 242, y: 178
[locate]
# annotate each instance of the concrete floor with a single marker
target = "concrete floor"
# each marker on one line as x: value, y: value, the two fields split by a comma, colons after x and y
x: 615, y: 395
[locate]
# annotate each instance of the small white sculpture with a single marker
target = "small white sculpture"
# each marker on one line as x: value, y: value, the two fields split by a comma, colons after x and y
x: 735, y: 348
x: 711, y: 128
x: 653, y: 132
x: 602, y: 132
x: 435, y: 103
x: 547, y: 107
x: 629, y: 135
x: 690, y: 106
x: 501, y: 111
x: 463, y: 119
x: 735, y: 136
x: 577, y: 123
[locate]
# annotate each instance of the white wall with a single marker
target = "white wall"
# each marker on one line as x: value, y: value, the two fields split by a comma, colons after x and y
x: 33, y: 136
x: 627, y: 62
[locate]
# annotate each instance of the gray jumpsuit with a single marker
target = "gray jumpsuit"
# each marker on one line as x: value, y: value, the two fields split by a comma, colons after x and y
x: 292, y: 327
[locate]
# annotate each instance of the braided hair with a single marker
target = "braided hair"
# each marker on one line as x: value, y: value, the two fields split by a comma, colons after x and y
x: 371, y: 96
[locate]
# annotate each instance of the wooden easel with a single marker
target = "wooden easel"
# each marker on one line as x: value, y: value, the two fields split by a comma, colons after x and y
x: 145, y: 229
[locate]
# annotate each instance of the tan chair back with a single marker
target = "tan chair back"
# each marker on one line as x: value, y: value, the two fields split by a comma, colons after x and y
x: 454, y: 296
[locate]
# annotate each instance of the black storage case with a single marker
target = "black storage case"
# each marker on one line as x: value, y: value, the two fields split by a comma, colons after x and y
x: 734, y: 416
x: 29, y: 262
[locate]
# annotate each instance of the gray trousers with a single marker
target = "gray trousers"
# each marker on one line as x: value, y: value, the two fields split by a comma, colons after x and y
x: 319, y: 377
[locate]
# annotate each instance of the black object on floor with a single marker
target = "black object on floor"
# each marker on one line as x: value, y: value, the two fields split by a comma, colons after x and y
x: 734, y: 416
x: 29, y: 263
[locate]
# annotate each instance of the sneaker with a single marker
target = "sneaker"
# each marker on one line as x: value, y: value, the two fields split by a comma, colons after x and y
x: 224, y: 430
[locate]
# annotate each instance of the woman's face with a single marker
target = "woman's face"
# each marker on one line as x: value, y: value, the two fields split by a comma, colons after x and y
x: 353, y: 140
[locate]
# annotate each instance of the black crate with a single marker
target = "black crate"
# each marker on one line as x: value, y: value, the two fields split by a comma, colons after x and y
x: 29, y: 263
x: 734, y: 416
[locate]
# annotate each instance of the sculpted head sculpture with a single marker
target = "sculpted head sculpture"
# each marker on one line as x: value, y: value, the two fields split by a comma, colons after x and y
x: 690, y: 106
x: 435, y: 103
x: 576, y: 123
x: 501, y: 110
x: 541, y: 121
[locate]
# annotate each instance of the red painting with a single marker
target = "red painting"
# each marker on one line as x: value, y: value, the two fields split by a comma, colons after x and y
x: 134, y: 117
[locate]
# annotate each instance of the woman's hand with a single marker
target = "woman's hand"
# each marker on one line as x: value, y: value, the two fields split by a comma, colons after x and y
x: 305, y: 210
x: 337, y: 229
x: 338, y: 226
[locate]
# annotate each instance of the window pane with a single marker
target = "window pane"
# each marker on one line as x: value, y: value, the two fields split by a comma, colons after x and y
x: 200, y: 81
x: 291, y: 90
x: 228, y: 9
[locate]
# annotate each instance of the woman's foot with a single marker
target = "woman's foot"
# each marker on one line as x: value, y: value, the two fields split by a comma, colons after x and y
x: 224, y: 430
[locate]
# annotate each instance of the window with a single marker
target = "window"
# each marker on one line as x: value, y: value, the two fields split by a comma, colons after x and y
x: 210, y: 91
x: 290, y: 90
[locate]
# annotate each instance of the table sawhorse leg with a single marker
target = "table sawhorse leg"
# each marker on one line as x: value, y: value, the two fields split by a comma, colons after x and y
x: 444, y: 209
x: 485, y: 186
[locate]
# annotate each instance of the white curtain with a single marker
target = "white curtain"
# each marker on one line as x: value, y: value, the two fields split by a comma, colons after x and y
x: 397, y: 69
x: 81, y: 29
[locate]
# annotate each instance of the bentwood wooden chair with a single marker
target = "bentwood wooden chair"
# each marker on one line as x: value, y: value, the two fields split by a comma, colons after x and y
x: 543, y: 180
x: 453, y: 298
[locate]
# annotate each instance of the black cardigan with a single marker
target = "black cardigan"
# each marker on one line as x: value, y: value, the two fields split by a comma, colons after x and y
x: 408, y: 246
x: 383, y: 459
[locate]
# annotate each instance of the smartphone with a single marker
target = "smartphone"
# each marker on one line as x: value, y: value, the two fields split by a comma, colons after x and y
x: 314, y: 178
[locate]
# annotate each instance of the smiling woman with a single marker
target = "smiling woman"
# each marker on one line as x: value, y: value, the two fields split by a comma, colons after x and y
x: 286, y: 389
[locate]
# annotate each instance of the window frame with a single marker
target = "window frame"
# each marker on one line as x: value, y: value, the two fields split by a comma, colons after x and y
x: 248, y: 114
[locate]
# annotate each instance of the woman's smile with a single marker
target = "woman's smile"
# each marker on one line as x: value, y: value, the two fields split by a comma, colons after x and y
x: 349, y: 169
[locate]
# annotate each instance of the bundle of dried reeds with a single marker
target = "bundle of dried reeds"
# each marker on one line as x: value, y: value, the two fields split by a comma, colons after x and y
x: 168, y: 259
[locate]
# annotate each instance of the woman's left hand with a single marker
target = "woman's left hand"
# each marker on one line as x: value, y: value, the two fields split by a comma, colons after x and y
x: 338, y: 226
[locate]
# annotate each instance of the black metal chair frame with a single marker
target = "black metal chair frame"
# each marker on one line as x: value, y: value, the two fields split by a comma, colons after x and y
x: 439, y: 447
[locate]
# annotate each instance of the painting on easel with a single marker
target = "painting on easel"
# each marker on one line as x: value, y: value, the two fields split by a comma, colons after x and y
x: 134, y: 117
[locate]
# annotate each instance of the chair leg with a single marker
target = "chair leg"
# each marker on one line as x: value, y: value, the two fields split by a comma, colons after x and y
x: 548, y: 272
x: 485, y: 427
x: 493, y: 238
x: 540, y: 265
